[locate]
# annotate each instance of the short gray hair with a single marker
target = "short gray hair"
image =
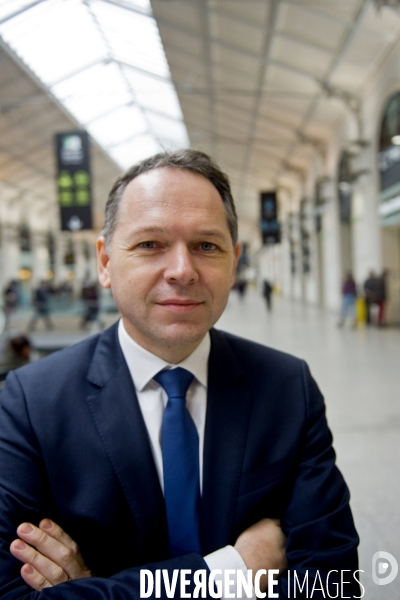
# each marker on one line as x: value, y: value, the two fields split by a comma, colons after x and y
x: 186, y: 159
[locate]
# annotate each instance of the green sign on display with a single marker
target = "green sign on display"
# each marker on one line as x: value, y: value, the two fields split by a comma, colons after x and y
x: 74, y: 180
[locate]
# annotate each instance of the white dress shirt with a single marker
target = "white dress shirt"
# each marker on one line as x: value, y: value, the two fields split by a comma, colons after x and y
x: 152, y: 398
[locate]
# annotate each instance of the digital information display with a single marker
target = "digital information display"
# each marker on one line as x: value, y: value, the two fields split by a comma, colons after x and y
x: 74, y: 185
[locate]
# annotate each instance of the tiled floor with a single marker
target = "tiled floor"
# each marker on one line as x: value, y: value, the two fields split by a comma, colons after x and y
x: 359, y: 374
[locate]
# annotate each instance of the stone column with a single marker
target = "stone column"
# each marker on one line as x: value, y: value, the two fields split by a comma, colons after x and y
x: 296, y: 262
x: 330, y: 249
x: 10, y: 253
x: 60, y: 248
x: 365, y: 220
x: 40, y: 256
x: 81, y: 267
x: 92, y: 257
x: 286, y: 275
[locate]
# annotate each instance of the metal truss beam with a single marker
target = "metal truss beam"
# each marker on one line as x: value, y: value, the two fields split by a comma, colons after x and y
x: 20, y: 11
x: 346, y: 41
x: 269, y: 35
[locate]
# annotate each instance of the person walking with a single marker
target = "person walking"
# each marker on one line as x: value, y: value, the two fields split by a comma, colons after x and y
x: 267, y: 293
x: 90, y: 298
x: 349, y: 297
x: 11, y: 294
x: 381, y: 296
x: 41, y: 298
x: 370, y: 290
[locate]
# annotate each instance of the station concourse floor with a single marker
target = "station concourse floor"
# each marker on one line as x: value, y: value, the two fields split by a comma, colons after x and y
x: 358, y: 372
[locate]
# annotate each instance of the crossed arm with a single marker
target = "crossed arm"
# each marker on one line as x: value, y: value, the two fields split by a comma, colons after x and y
x: 317, y: 521
x: 51, y: 557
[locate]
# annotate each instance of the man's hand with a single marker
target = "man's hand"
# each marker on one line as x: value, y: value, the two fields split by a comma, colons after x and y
x: 262, y: 546
x: 49, y: 555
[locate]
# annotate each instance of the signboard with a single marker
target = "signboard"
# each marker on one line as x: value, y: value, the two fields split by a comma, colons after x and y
x: 74, y: 185
x: 270, y: 227
x: 345, y: 190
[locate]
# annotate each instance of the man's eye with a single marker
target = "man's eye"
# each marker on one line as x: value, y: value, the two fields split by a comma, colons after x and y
x: 147, y: 245
x: 207, y: 246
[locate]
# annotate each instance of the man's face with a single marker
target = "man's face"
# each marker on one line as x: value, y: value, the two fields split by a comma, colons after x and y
x: 171, y: 262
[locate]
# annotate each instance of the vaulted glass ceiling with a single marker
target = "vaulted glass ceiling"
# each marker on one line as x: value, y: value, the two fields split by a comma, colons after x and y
x: 104, y: 61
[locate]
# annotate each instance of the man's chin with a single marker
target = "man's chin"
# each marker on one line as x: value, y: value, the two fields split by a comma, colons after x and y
x: 182, y: 333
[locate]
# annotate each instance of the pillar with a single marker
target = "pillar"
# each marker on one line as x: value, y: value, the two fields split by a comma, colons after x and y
x: 40, y: 255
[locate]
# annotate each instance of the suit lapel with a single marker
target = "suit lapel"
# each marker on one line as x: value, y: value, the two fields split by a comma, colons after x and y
x: 228, y: 411
x: 118, y: 419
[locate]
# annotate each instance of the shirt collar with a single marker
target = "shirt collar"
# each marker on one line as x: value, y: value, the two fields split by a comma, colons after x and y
x: 143, y: 365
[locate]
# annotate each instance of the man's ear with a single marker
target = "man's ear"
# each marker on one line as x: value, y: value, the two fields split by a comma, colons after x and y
x: 103, y: 261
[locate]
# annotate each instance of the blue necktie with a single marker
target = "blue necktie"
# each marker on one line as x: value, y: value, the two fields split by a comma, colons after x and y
x: 180, y: 452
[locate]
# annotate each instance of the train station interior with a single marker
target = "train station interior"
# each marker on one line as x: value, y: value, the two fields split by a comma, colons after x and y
x: 299, y: 102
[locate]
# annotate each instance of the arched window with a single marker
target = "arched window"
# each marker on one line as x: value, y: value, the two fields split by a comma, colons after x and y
x: 389, y: 162
x: 389, y: 144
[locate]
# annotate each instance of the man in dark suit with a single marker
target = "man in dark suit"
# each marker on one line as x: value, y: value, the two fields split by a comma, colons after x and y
x: 85, y: 435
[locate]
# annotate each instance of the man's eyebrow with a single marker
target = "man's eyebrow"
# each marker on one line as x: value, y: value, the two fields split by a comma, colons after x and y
x: 211, y: 233
x: 157, y: 229
x: 153, y: 229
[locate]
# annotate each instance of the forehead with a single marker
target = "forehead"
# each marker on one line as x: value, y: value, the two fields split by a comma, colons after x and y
x: 171, y: 188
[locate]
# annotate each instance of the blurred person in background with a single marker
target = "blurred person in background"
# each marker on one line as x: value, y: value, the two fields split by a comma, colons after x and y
x: 241, y: 280
x: 267, y: 293
x: 349, y: 297
x: 41, y: 302
x: 15, y: 353
x: 241, y: 284
x: 20, y: 348
x: 91, y: 304
x: 11, y: 297
x: 371, y: 286
x: 381, y: 296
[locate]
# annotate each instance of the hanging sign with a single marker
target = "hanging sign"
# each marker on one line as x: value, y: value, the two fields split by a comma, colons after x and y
x: 270, y: 227
x: 74, y: 185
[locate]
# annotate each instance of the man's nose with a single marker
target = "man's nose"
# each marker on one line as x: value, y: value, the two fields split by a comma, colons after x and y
x: 180, y: 267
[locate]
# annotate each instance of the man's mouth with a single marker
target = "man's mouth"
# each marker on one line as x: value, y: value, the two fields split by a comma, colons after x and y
x: 180, y: 304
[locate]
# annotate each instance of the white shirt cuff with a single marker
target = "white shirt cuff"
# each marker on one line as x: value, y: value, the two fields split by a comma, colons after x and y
x: 228, y: 559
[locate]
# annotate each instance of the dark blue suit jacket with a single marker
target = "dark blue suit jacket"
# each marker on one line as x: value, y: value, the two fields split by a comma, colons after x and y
x: 74, y: 448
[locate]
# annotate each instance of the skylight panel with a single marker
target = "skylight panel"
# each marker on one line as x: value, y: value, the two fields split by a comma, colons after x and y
x: 119, y: 125
x: 143, y: 5
x: 131, y: 152
x: 106, y: 64
x: 132, y: 38
x: 16, y: 27
x: 55, y: 38
x: 9, y: 7
x: 93, y: 92
x: 170, y: 132
x: 154, y: 94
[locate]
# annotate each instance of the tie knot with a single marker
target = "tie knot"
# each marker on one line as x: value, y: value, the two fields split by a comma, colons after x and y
x: 175, y: 382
